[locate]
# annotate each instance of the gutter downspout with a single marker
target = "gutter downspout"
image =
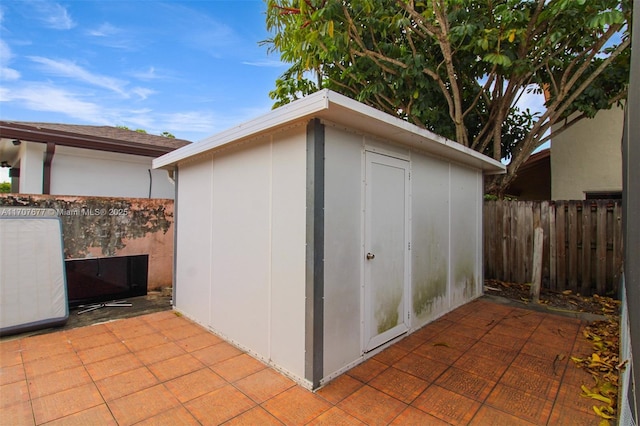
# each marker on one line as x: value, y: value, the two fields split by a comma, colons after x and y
x: 175, y: 236
x: 46, y: 168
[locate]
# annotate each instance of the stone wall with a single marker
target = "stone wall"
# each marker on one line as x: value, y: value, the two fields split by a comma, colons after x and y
x: 105, y: 226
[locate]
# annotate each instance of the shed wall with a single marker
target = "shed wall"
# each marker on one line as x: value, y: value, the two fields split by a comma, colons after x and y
x: 193, y: 242
x: 241, y: 254
x: 343, y: 217
x: 446, y: 251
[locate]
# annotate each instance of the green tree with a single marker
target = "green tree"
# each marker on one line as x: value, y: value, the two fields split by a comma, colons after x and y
x: 5, y: 187
x: 459, y: 67
x: 165, y: 134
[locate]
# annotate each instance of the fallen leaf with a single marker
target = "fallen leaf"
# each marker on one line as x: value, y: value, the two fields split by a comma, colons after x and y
x: 600, y: 412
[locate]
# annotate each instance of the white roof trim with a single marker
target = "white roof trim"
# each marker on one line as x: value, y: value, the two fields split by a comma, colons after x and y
x: 337, y: 108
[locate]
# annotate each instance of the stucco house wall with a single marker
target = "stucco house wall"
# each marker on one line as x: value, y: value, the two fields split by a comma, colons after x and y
x: 587, y: 157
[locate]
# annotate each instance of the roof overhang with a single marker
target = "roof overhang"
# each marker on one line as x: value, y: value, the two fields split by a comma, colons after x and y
x: 29, y: 133
x: 339, y: 109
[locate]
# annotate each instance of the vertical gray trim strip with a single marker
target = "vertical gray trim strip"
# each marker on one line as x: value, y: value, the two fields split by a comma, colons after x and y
x: 631, y: 212
x: 175, y: 235
x: 314, y: 286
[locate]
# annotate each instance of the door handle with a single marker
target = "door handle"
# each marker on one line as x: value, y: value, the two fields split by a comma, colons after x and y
x: 370, y: 256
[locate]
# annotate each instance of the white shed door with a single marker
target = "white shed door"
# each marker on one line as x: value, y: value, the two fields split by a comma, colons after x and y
x: 386, y: 254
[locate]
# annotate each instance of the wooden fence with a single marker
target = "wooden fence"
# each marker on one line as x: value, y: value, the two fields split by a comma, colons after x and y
x: 582, y: 249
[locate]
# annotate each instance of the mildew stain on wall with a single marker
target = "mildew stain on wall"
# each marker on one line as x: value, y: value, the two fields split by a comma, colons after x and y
x: 100, y: 222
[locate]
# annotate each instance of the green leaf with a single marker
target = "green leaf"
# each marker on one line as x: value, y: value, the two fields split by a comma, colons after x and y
x: 497, y: 59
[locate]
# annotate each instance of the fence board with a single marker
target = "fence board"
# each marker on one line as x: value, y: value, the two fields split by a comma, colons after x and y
x: 585, y: 287
x: 544, y: 224
x: 618, y: 254
x: 582, y: 243
x: 601, y: 247
x: 561, y: 249
x: 572, y: 241
x: 506, y: 217
x: 553, y: 249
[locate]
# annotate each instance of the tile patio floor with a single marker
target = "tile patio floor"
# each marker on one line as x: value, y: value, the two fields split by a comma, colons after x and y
x: 482, y: 364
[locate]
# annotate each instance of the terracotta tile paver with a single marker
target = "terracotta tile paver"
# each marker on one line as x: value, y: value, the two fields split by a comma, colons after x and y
x: 112, y: 366
x: 98, y: 415
x: 64, y: 403
x: 367, y: 370
x: 58, y: 381
x: 490, y: 416
x: 141, y: 405
x: 18, y: 414
x: 102, y: 352
x: 238, y: 367
x: 14, y: 393
x: 198, y: 341
x: 482, y: 364
x: 253, y: 417
x: 372, y: 406
x: 447, y: 405
x: 296, y: 406
x: 195, y: 384
x: 264, y: 385
x: 339, y: 388
x: 51, y: 364
x: 175, y: 367
x: 216, y: 353
x: 335, y: 417
x: 520, y: 403
x: 159, y: 353
x: 11, y: 374
x: 174, y: 416
x: 219, y: 406
x: 466, y: 384
x: 421, y: 367
x: 413, y: 416
x: 398, y: 384
x: 126, y: 383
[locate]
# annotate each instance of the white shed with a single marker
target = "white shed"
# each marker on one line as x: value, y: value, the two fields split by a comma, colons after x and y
x: 318, y: 234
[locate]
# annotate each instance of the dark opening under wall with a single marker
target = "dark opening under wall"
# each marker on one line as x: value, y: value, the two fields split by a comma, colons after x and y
x: 106, y: 278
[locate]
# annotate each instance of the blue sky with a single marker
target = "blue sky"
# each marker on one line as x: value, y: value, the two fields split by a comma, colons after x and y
x: 192, y: 68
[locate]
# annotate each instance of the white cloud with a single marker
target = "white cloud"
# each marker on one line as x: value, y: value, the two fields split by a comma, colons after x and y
x: 191, y: 121
x: 45, y: 97
x: 5, y: 52
x: 142, y: 92
x: 265, y: 63
x: 69, y: 69
x: 52, y: 14
x: 114, y: 37
x: 9, y: 74
x: 6, y: 73
x: 104, y: 30
x: 151, y: 73
x: 5, y: 94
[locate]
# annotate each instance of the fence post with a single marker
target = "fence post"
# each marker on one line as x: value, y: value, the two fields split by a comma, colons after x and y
x: 537, y: 264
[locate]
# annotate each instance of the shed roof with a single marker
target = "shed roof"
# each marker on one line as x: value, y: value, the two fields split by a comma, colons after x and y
x: 101, y: 138
x: 339, y: 109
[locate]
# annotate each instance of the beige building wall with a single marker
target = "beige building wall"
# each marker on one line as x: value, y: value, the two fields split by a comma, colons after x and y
x: 588, y: 157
